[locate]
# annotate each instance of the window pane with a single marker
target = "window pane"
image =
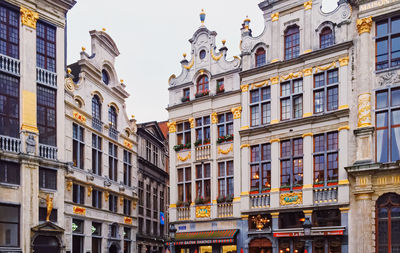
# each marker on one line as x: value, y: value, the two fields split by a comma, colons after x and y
x: 395, y: 146
x: 382, y: 54
x: 255, y: 153
x: 266, y: 93
x: 381, y: 99
x: 254, y: 96
x: 255, y: 176
x: 285, y: 149
x: 381, y: 119
x: 221, y: 169
x: 266, y: 175
x: 188, y: 176
x: 319, y: 80
x: 298, y: 107
x: 255, y: 115
x: 285, y: 109
x: 395, y: 51
x: 318, y: 101
x: 396, y: 25
x: 381, y: 28
x: 381, y: 145
x: 396, y: 97
x: 285, y: 89
x: 319, y: 165
x: 207, y: 170
x: 333, y: 76
x: 319, y: 143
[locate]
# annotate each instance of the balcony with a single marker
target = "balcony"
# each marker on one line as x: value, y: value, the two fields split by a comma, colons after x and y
x: 97, y: 124
x: 48, y: 152
x: 113, y: 133
x: 203, y: 152
x: 183, y: 213
x: 10, y: 144
x: 46, y: 77
x: 259, y: 200
x: 225, y: 210
x: 327, y: 194
x: 9, y: 65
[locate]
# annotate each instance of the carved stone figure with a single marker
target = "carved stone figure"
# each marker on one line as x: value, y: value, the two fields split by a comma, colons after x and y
x: 30, y: 145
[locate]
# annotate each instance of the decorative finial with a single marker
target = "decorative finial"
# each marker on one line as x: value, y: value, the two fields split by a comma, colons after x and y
x: 184, y: 55
x: 69, y: 70
x: 133, y: 116
x: 223, y: 42
x: 246, y: 22
x: 103, y: 29
x: 122, y: 80
x: 83, y: 49
x: 202, y: 16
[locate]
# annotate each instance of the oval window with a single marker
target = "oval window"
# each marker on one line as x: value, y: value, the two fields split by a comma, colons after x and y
x: 105, y: 77
x: 202, y: 54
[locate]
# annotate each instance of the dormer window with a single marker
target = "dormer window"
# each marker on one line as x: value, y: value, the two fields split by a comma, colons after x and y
x: 202, y: 54
x: 105, y: 77
x: 326, y: 38
x: 260, y: 57
x: 202, y: 86
x: 186, y: 95
x: 292, y: 42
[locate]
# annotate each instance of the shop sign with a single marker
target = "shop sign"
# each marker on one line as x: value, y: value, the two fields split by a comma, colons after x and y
x: 181, y: 227
x: 295, y: 234
x: 203, y: 211
x: 374, y: 4
x: 79, y: 210
x: 128, y: 220
x: 292, y: 198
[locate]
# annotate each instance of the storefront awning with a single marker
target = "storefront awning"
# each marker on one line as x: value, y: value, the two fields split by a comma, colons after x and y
x: 205, y: 237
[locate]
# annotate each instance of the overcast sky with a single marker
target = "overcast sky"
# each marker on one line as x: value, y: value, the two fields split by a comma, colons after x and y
x: 151, y: 37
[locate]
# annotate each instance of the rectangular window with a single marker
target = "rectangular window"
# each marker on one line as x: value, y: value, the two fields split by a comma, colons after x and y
x: 326, y: 91
x: 148, y: 198
x: 97, y: 154
x: 155, y: 155
x: 113, y: 161
x: 185, y: 185
x: 225, y: 124
x: 260, y: 166
x: 46, y: 46
x: 9, y: 32
x: 325, y: 158
x: 96, y: 237
x: 127, y: 207
x: 127, y: 240
x: 78, y: 194
x: 225, y: 179
x: 220, y: 86
x: 387, y: 43
x: 292, y: 99
x: 9, y: 105
x: 148, y: 150
x: 183, y: 133
x: 9, y: 172
x: 127, y: 167
x: 387, y: 125
x: 291, y: 163
x: 46, y: 115
x: 186, y: 94
x: 97, y: 198
x: 47, y: 178
x: 260, y: 106
x: 43, y: 214
x: 203, y: 131
x: 78, y: 146
x: 203, y: 182
x: 113, y: 203
x: 9, y: 225
x: 77, y: 235
x: 140, y: 197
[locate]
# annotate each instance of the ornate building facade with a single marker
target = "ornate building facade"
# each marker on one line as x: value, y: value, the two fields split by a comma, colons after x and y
x: 101, y: 146
x: 32, y: 158
x: 375, y: 170
x: 152, y: 188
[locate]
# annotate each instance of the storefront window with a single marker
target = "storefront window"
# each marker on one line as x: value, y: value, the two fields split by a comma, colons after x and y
x: 295, y: 245
x: 291, y: 220
x: 330, y: 244
x: 323, y: 218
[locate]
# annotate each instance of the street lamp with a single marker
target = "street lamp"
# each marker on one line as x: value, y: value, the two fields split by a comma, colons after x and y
x: 172, y: 233
x: 307, y: 233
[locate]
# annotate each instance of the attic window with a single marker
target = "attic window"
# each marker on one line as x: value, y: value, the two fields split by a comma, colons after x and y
x: 202, y: 54
x: 105, y: 77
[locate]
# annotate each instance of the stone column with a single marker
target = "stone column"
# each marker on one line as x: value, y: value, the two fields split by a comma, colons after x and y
x: 363, y: 227
x: 245, y: 119
x: 343, y: 191
x: 307, y: 27
x: 275, y: 94
x: 307, y: 92
x: 172, y: 172
x: 245, y: 176
x: 344, y: 213
x: 275, y: 38
x: 214, y: 164
x: 308, y: 242
x: 275, y: 174
x: 344, y: 83
x: 364, y: 133
x: 307, y: 169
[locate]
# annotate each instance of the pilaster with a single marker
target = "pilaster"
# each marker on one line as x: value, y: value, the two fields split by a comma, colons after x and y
x: 275, y: 106
x: 307, y: 169
x: 275, y: 174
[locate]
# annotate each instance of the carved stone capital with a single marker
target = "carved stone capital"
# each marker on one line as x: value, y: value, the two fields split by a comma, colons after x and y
x: 237, y: 111
x: 29, y: 17
x: 364, y: 25
x: 171, y: 126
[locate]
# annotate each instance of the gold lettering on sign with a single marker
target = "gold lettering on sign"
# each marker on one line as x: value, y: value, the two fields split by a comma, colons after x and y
x: 364, y: 110
x: 79, y: 117
x: 292, y: 198
x: 375, y: 4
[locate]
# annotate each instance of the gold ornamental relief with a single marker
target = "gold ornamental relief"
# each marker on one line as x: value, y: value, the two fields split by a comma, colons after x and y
x: 29, y: 17
x: 214, y: 118
x: 203, y: 211
x: 292, y: 198
x: 244, y: 87
x: 308, y: 5
x: 215, y: 58
x: 226, y: 151
x: 183, y: 158
x: 275, y: 16
x: 171, y: 126
x: 364, y: 110
x: 237, y: 111
x: 188, y: 67
x: 191, y: 121
x: 69, y: 84
x: 364, y: 25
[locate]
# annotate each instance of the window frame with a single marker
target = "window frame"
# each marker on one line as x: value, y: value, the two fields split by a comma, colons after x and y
x: 44, y: 174
x: 202, y: 181
x: 325, y: 153
x: 225, y: 124
x: 260, y: 57
x: 113, y: 117
x: 202, y: 125
x: 203, y: 81
x: 46, y: 42
x: 79, y: 196
x: 9, y: 26
x: 293, y: 48
x: 259, y: 161
x: 78, y: 152
x: 291, y: 158
x: 97, y: 154
x: 187, y: 181
x: 10, y: 92
x: 225, y: 178
x: 97, y: 198
x: 388, y: 37
x: 326, y: 42
x: 185, y: 132
x: 96, y: 107
x: 47, y: 110
x: 113, y: 203
x: 292, y: 98
x: 259, y: 104
x: 127, y: 168
x: 5, y: 170
x: 18, y: 223
x: 113, y: 161
x: 389, y: 205
x: 325, y: 88
x: 127, y: 207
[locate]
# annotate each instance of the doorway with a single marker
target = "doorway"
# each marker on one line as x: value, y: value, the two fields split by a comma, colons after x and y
x: 260, y: 245
x: 113, y: 249
x: 46, y: 244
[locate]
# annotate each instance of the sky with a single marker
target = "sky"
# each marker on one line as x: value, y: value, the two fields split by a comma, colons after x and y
x: 152, y: 36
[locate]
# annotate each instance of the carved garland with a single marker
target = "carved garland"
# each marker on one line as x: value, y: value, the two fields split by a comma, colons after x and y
x: 224, y: 152
x: 216, y: 58
x: 190, y: 65
x: 180, y: 158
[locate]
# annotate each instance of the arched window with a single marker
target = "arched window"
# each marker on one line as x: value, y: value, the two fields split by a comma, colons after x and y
x: 96, y: 107
x: 326, y: 38
x: 260, y: 57
x: 292, y: 42
x: 202, y: 84
x: 388, y: 223
x: 112, y: 117
x: 105, y: 77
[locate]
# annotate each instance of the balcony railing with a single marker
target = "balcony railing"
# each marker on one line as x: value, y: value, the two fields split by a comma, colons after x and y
x: 9, y: 65
x: 203, y: 152
x: 259, y: 200
x: 113, y: 133
x: 225, y: 210
x: 48, y: 152
x: 326, y: 194
x: 46, y: 77
x: 10, y: 144
x: 97, y: 124
x: 183, y: 213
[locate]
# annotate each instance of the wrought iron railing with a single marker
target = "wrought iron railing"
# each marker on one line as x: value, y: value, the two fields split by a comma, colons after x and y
x: 113, y: 133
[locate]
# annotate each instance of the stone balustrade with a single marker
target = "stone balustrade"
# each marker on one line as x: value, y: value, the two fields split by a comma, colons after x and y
x: 183, y: 213
x: 327, y: 194
x: 10, y: 144
x: 46, y: 77
x: 9, y: 65
x: 203, y: 152
x: 48, y: 152
x: 261, y: 200
x: 225, y: 210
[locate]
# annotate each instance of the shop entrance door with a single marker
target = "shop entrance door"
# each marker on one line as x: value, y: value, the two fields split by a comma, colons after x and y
x: 260, y: 245
x: 46, y: 244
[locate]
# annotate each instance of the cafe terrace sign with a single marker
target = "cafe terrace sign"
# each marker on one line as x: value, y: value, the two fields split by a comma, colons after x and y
x: 375, y: 4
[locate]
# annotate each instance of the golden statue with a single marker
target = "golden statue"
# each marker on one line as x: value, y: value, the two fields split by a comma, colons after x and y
x: 49, y: 202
